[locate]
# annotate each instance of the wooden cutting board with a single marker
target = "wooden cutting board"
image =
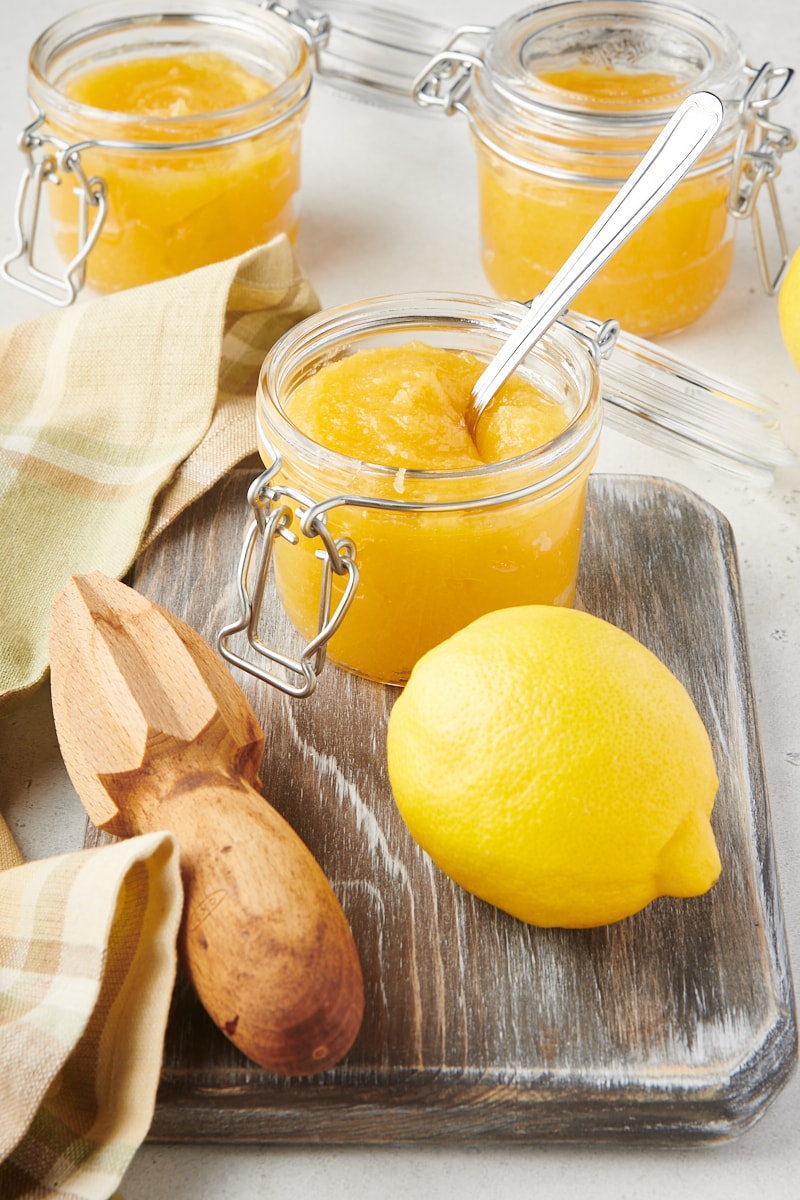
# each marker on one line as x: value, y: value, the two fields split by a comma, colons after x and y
x: 677, y: 1023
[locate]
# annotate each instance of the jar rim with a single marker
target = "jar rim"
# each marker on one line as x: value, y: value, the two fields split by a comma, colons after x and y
x: 414, y: 312
x: 85, y: 29
x: 505, y: 82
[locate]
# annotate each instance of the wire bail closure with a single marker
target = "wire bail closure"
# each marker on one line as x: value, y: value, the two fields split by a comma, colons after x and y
x: 756, y: 162
x: 51, y: 161
x: 313, y: 28
x: 446, y: 79
x: 274, y: 518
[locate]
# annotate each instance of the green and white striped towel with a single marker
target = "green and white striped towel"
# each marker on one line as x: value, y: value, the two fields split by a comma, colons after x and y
x: 114, y: 416
x: 87, y: 968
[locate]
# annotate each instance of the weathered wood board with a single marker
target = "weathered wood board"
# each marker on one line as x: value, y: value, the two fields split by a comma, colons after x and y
x: 675, y: 1024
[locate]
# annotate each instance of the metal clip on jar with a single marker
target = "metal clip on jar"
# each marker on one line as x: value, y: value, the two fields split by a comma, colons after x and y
x: 408, y: 556
x: 139, y: 197
x: 562, y: 101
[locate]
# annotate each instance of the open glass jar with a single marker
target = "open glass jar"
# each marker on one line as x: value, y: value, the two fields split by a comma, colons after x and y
x: 563, y: 100
x: 381, y: 564
x: 203, y: 162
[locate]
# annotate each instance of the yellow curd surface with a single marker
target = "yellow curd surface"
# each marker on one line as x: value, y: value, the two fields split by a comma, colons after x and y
x: 171, y: 211
x: 424, y: 575
x: 668, y: 273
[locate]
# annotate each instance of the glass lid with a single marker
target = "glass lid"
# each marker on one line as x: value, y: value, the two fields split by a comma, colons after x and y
x: 373, y: 53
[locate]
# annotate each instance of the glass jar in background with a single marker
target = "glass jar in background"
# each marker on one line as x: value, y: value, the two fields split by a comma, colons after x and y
x: 202, y: 164
x: 563, y: 100
x: 410, y: 555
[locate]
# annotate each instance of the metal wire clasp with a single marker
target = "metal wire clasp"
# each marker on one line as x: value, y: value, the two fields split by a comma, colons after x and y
x: 50, y: 161
x: 759, y: 147
x: 447, y: 77
x: 313, y: 28
x: 274, y: 518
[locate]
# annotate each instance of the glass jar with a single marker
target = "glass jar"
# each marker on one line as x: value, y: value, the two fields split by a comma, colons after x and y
x: 411, y: 556
x: 140, y: 196
x: 563, y: 101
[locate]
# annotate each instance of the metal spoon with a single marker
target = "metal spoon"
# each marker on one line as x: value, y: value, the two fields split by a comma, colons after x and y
x: 676, y: 148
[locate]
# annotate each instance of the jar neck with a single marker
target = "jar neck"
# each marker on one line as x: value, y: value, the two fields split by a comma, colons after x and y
x: 120, y: 31
x: 585, y: 86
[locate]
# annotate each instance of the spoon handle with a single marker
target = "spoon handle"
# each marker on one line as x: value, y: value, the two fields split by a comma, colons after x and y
x: 676, y: 148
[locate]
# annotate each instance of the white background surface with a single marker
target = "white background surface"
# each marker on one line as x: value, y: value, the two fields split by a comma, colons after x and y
x: 389, y: 205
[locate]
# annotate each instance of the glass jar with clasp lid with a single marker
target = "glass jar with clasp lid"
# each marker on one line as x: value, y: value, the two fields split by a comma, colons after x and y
x: 378, y: 562
x: 562, y: 100
x: 163, y: 139
x: 375, y: 563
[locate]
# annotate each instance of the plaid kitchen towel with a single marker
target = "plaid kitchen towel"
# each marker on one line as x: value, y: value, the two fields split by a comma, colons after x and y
x: 87, y: 967
x: 115, y: 415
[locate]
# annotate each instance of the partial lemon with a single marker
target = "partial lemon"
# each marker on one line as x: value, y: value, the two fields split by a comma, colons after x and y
x: 789, y: 308
x: 550, y: 764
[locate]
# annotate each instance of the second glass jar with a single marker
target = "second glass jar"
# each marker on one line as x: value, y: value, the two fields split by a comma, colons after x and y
x: 563, y: 100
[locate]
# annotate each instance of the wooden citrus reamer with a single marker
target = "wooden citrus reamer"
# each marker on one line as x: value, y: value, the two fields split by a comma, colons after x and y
x: 156, y: 735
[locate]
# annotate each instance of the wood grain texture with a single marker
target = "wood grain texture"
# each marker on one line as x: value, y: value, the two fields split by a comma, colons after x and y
x: 675, y: 1024
x: 170, y: 743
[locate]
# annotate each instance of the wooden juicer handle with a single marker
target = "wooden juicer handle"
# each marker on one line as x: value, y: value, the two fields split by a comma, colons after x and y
x: 156, y: 735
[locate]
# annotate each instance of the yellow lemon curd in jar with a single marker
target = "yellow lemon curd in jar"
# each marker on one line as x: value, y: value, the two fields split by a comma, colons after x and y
x: 671, y: 269
x: 423, y: 575
x: 170, y: 211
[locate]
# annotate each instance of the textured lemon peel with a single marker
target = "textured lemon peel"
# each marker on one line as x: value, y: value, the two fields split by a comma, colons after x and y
x: 553, y: 766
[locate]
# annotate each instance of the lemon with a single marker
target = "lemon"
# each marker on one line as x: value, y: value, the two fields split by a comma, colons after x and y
x: 552, y: 765
x: 789, y: 308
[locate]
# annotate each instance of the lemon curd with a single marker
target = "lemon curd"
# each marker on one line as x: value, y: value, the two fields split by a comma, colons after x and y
x: 605, y: 86
x: 668, y: 273
x: 404, y: 407
x: 170, y: 212
x: 387, y: 423
x: 176, y: 202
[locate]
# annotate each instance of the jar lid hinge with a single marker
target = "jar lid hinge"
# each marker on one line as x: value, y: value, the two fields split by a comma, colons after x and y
x: 446, y: 78
x: 273, y: 519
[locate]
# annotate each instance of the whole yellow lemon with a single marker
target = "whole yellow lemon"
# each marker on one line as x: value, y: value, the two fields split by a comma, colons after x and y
x: 789, y: 308
x: 552, y: 765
